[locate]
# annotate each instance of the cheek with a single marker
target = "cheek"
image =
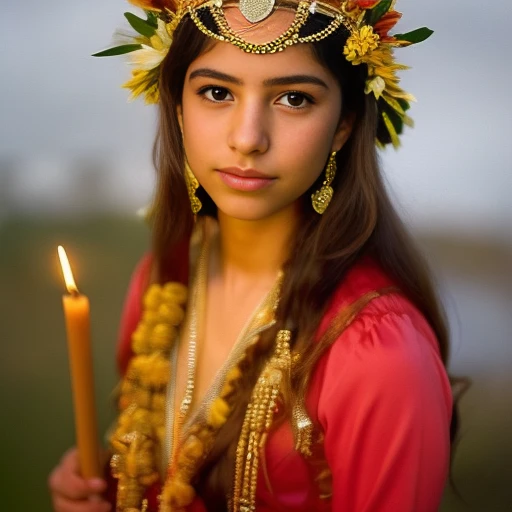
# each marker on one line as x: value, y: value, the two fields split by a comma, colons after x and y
x: 197, y: 130
x: 307, y: 146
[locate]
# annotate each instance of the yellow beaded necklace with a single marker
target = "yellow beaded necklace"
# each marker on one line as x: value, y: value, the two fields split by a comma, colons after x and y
x: 140, y: 430
x: 140, y: 433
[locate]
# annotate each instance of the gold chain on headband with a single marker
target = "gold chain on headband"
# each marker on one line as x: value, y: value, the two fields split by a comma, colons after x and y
x: 368, y: 23
x: 288, y: 38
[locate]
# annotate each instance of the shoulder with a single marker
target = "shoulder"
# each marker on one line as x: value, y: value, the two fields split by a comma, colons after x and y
x: 388, y: 339
x: 373, y: 300
x: 382, y: 398
x: 365, y: 277
x: 388, y: 353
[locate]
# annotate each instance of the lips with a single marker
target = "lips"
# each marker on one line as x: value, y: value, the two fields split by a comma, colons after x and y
x: 244, y: 173
x: 245, y: 180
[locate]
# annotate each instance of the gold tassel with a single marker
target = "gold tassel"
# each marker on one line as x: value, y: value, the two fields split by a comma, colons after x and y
x: 303, y: 430
x: 257, y: 422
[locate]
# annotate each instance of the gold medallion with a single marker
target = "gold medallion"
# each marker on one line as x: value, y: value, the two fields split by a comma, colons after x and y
x: 256, y: 10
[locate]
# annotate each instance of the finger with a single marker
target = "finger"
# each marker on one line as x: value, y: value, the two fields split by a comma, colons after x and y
x: 68, y: 483
x: 74, y: 487
x: 61, y: 504
x: 97, y: 485
x: 71, y: 461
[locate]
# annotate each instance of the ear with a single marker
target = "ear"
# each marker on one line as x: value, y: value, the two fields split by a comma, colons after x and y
x: 343, y: 132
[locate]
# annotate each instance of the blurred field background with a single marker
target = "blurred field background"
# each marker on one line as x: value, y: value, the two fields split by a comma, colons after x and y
x: 75, y: 166
x: 37, y: 424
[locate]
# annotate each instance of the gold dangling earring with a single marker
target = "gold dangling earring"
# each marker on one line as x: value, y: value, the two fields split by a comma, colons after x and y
x: 321, y: 198
x: 192, y: 186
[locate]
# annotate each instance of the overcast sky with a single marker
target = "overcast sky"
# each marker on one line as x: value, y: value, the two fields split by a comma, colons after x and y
x: 58, y: 104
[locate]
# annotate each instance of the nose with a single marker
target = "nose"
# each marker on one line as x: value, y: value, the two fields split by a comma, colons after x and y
x: 249, y: 128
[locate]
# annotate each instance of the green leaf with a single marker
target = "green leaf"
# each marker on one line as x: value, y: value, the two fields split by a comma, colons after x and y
x: 141, y: 26
x: 375, y: 14
x: 118, y: 50
x: 152, y: 18
x: 416, y: 36
x: 404, y: 104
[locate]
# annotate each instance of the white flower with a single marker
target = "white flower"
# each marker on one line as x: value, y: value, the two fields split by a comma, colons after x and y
x: 147, y: 57
x: 377, y: 85
x: 162, y: 33
x: 151, y: 55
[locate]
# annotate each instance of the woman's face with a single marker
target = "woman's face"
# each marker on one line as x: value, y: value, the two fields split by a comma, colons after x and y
x: 258, y: 129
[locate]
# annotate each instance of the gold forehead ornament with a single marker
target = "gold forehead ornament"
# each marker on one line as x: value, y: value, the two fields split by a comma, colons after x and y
x: 291, y: 36
x: 367, y: 23
x: 254, y: 10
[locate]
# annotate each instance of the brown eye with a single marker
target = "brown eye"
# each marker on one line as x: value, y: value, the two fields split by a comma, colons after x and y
x: 295, y: 100
x: 216, y: 93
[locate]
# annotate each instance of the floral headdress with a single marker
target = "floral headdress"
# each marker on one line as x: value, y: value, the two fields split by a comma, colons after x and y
x: 368, y: 23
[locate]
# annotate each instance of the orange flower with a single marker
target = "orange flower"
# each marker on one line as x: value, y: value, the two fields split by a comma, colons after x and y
x: 385, y: 24
x: 366, y: 4
x: 155, y: 5
x: 354, y: 9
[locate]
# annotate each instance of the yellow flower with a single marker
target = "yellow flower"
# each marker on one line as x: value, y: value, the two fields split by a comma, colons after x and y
x: 143, y: 398
x: 175, y: 292
x: 193, y: 448
x: 218, y: 413
x: 158, y: 374
x: 171, y: 313
x: 157, y: 419
x: 161, y: 432
x: 361, y: 43
x: 229, y: 384
x: 178, y: 493
x: 152, y: 298
x: 162, y: 336
x: 140, y: 342
x: 234, y: 374
x: 150, y: 318
x: 158, y: 402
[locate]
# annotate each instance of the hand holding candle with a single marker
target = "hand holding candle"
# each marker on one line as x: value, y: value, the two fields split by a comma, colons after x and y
x: 76, y: 312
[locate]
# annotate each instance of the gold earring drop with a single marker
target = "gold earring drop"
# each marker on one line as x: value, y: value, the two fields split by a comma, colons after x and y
x: 321, y: 198
x: 192, y: 186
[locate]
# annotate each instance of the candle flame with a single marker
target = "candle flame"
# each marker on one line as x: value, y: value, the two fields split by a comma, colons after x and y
x: 66, y: 270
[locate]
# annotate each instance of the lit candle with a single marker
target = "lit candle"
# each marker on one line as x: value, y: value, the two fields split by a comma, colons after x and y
x: 76, y: 312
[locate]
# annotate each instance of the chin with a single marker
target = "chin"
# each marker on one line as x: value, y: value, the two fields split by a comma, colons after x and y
x: 246, y: 214
x: 244, y: 208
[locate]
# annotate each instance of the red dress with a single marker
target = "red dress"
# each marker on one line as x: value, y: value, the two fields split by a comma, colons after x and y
x: 381, y: 396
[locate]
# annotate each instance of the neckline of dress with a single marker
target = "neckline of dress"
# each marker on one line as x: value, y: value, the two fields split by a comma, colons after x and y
x: 262, y: 318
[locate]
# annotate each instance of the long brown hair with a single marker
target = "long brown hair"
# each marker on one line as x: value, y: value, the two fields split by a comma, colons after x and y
x: 359, y: 221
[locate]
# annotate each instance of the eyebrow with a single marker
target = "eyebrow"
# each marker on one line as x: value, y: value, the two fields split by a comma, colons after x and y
x: 269, y: 82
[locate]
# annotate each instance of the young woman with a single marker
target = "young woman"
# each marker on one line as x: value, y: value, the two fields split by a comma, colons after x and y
x: 282, y: 347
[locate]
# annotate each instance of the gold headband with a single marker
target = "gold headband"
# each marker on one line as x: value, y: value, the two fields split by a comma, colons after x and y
x: 367, y: 23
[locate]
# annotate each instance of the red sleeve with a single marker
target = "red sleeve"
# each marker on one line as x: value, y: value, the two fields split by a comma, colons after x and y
x: 132, y: 311
x: 385, y: 407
